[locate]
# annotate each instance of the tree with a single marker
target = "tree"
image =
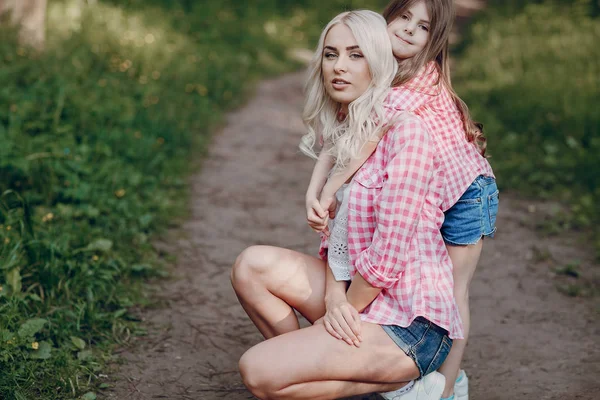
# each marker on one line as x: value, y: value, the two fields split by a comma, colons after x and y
x: 30, y: 17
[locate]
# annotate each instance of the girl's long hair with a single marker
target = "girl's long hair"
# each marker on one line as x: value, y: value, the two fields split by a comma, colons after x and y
x: 344, y: 139
x: 442, y: 14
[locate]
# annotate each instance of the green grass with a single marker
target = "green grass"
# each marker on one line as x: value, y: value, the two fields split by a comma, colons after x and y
x: 98, y: 134
x: 531, y: 74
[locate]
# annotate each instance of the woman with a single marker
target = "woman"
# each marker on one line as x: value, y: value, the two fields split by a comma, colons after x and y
x: 402, y: 277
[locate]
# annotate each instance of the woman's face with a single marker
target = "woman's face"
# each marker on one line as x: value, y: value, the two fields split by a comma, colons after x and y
x: 346, y: 73
x: 409, y: 32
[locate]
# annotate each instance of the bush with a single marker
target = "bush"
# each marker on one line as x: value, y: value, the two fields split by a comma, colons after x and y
x: 533, y: 80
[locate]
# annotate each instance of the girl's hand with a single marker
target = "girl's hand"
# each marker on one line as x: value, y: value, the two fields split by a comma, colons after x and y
x: 342, y: 321
x: 316, y: 216
x: 329, y: 204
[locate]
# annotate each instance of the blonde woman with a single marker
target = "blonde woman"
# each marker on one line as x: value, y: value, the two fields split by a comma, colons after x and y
x: 393, y: 216
x: 419, y: 31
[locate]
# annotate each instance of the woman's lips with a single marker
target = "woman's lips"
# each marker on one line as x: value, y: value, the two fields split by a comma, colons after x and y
x: 339, y: 84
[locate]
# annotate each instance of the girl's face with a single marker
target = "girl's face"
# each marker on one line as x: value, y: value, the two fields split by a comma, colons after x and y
x: 410, y: 31
x: 346, y: 73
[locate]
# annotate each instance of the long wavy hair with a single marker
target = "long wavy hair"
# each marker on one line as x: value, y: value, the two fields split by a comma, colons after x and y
x: 441, y: 14
x: 344, y: 139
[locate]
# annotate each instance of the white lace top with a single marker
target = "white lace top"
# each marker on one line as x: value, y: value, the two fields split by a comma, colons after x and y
x: 337, y: 255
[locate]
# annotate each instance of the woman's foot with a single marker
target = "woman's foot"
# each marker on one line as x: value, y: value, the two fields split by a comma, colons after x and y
x: 430, y: 387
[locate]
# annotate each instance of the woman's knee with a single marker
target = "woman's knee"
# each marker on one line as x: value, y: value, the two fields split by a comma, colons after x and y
x: 256, y: 375
x: 246, y: 266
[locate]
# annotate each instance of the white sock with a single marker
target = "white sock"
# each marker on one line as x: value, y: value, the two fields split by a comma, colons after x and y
x: 402, y: 390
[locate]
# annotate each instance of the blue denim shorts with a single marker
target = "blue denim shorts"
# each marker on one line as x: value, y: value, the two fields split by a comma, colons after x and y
x: 423, y: 341
x: 474, y: 214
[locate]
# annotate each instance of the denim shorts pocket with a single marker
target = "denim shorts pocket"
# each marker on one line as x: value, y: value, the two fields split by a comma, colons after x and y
x: 493, y: 202
x: 440, y: 355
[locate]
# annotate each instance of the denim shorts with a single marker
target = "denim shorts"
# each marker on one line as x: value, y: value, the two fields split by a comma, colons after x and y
x: 426, y: 343
x: 474, y: 214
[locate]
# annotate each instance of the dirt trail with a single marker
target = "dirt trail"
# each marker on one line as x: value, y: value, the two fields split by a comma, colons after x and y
x: 528, y: 340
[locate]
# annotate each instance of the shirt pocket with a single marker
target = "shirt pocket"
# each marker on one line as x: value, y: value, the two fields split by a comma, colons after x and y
x: 367, y: 186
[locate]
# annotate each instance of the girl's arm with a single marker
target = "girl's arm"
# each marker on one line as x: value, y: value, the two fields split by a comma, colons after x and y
x: 319, y: 175
x: 315, y: 214
x: 337, y: 179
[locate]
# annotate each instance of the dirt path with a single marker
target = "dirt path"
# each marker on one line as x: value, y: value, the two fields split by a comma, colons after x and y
x: 528, y: 340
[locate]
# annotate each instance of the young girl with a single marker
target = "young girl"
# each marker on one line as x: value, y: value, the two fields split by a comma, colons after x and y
x: 419, y: 32
x: 394, y: 242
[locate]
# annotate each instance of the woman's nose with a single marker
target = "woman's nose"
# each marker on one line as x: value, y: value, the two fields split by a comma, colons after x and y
x: 340, y: 65
x: 409, y: 29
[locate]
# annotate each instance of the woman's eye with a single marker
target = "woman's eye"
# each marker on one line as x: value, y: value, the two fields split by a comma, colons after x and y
x: 356, y: 55
x: 404, y: 16
x: 329, y: 56
x: 425, y: 28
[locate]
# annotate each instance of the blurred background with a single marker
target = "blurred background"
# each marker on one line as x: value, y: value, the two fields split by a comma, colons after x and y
x: 106, y: 106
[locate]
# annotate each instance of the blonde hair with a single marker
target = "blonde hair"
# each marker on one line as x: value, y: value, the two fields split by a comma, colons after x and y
x: 344, y: 139
x: 442, y: 14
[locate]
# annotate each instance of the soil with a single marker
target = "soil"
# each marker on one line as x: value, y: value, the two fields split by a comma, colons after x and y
x: 529, y: 340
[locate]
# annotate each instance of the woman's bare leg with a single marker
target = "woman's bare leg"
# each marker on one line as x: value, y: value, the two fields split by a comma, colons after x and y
x: 271, y: 282
x: 311, y: 364
x: 464, y: 261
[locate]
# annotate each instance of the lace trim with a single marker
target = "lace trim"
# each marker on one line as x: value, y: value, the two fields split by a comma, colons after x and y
x: 337, y: 256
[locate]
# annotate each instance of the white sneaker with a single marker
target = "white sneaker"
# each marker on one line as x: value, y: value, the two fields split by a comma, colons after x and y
x: 461, y: 386
x: 430, y: 387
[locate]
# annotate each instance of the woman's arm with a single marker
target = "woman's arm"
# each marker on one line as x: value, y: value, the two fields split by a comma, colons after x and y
x: 361, y: 293
x: 409, y: 173
x: 334, y: 290
x: 341, y: 319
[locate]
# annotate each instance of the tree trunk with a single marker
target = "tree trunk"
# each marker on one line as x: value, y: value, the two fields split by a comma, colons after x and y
x: 30, y: 16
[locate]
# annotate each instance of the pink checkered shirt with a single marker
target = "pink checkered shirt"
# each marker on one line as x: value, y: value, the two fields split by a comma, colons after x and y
x: 396, y: 207
x: 431, y: 101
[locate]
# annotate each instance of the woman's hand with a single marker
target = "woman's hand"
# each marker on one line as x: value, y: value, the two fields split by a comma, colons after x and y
x: 316, y: 216
x: 342, y: 321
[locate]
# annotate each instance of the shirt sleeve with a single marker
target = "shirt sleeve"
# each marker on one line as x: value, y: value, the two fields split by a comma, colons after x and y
x: 409, y: 173
x: 415, y: 93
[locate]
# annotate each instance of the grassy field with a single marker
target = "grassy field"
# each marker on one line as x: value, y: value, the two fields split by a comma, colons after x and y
x: 530, y: 71
x: 98, y: 134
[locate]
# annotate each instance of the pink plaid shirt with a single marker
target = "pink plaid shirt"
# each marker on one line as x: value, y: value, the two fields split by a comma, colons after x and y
x: 431, y: 101
x: 396, y: 206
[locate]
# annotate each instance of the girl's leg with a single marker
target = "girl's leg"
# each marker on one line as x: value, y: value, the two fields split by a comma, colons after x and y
x: 311, y: 364
x: 464, y: 261
x: 271, y: 282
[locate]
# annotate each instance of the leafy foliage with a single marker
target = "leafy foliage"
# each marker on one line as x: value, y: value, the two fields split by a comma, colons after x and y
x: 533, y: 80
